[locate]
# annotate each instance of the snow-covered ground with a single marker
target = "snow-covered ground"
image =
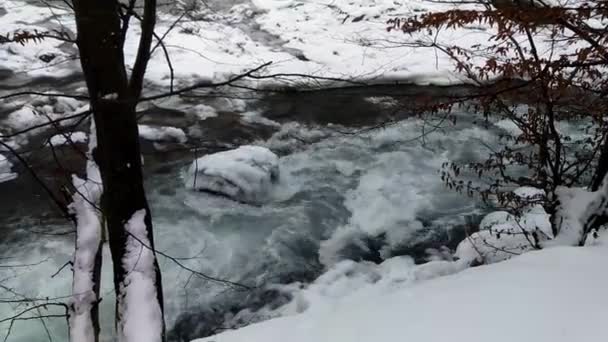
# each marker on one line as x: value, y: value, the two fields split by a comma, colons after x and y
x: 553, y: 295
x: 327, y: 38
x: 319, y: 38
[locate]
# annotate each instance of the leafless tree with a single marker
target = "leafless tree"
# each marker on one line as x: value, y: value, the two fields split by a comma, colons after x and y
x: 537, y: 90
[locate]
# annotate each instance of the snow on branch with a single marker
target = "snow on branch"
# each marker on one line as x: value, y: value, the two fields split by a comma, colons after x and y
x: 87, y: 256
x: 578, y: 212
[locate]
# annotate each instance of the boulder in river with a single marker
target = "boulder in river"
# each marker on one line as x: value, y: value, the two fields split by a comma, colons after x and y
x: 246, y: 174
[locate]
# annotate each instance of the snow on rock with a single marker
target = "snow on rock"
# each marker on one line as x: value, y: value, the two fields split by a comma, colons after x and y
x: 528, y: 298
x: 68, y: 105
x: 503, y: 235
x: 164, y: 133
x: 141, y: 316
x: 6, y: 173
x: 63, y: 139
x: 39, y: 111
x: 529, y: 193
x: 204, y: 112
x: 244, y: 174
x: 24, y: 117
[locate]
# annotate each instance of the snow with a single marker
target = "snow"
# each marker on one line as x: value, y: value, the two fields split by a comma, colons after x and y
x: 529, y: 193
x: 68, y: 105
x: 85, y: 206
x: 38, y: 111
x: 316, y: 38
x: 111, y: 96
x: 204, y: 112
x: 528, y: 298
x: 6, y: 173
x: 323, y: 38
x: 141, y: 316
x: 251, y: 243
x: 26, y: 58
x: 24, y: 118
x: 576, y: 207
x: 503, y: 235
x: 326, y: 38
x: 256, y: 118
x: 500, y: 237
x: 347, y: 278
x: 67, y: 138
x: 162, y: 133
x: 349, y: 39
x: 244, y: 174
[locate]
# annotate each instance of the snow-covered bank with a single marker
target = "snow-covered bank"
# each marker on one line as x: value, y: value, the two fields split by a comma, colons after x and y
x: 346, y: 40
x: 553, y: 295
x: 337, y: 39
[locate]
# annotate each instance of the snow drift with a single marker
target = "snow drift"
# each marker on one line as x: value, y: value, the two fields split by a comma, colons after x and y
x: 552, y: 295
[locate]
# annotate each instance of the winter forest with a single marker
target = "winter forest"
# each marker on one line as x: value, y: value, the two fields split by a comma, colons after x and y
x: 303, y: 170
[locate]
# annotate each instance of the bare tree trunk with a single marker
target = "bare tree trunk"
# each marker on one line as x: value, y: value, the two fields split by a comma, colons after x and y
x: 113, y: 102
x: 602, y: 167
x: 118, y: 155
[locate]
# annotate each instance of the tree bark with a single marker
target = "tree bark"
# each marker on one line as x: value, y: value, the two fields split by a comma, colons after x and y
x: 113, y: 103
x: 602, y: 167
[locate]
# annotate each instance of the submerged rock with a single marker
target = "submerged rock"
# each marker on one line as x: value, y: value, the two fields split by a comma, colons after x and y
x: 246, y: 174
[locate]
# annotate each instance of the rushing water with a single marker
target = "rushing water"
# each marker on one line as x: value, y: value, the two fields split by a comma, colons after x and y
x: 359, y: 196
x: 364, y: 196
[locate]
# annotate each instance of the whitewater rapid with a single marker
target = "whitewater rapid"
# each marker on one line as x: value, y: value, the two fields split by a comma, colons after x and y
x: 340, y: 196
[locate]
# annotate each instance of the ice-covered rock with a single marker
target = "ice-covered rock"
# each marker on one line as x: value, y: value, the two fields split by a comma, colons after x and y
x: 503, y: 235
x: 245, y: 174
x: 68, y: 138
x: 204, y: 112
x: 5, y: 170
x: 162, y: 133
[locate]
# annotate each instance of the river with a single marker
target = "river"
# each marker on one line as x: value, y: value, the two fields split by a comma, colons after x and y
x: 349, y: 189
